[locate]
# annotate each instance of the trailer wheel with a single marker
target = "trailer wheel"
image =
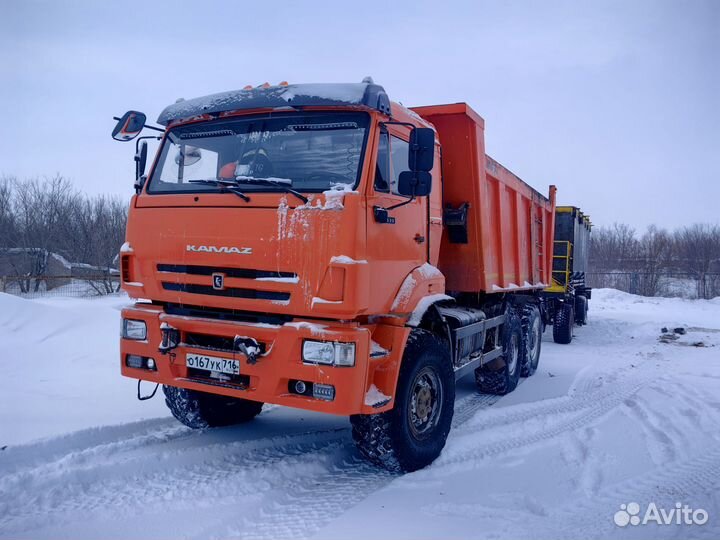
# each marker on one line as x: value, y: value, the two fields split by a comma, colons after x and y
x: 412, y: 434
x: 563, y: 323
x: 201, y: 410
x: 501, y: 376
x: 581, y: 309
x: 532, y: 340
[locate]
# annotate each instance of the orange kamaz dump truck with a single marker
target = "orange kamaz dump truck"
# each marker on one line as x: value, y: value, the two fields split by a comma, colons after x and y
x: 319, y: 246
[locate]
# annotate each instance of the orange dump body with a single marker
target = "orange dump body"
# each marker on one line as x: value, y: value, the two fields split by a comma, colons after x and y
x: 506, y: 241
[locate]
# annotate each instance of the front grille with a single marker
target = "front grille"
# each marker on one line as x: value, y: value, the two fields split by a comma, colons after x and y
x: 225, y: 314
x: 245, y: 273
x: 214, y: 343
x: 232, y: 292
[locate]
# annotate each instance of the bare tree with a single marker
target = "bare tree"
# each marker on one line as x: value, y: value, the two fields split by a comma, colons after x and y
x: 654, y: 250
x: 697, y: 250
x: 39, y: 218
x: 613, y: 248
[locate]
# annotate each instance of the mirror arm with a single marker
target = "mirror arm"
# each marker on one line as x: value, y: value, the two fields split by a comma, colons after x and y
x: 398, y: 205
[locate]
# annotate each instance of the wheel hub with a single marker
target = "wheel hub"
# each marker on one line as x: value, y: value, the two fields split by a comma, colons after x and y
x: 425, y: 403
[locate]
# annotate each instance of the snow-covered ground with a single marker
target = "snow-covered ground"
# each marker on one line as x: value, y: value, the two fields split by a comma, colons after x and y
x: 615, y: 417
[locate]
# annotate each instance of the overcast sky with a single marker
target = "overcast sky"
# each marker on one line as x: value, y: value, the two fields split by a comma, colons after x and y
x: 617, y: 103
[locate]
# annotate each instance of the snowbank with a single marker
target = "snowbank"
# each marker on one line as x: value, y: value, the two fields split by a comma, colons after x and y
x: 61, y: 368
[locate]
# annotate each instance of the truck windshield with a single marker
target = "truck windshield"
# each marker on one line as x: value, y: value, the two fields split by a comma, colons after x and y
x: 309, y: 152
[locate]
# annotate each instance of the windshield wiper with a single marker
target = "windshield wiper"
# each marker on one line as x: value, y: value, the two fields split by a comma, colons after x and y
x: 281, y: 183
x: 224, y: 185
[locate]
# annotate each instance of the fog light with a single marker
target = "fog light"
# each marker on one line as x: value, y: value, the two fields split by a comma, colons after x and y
x: 324, y: 391
x: 134, y: 361
x: 300, y: 387
x: 140, y: 362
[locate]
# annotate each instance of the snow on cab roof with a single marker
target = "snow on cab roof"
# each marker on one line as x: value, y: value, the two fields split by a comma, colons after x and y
x: 293, y: 95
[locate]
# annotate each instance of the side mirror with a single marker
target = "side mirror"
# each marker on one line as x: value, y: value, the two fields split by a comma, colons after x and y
x: 129, y: 126
x: 414, y: 183
x: 422, y: 149
x: 141, y: 159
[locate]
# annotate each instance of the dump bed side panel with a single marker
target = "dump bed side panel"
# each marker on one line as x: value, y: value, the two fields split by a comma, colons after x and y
x: 507, y: 239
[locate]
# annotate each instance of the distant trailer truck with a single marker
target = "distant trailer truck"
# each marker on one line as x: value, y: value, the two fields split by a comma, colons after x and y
x: 566, y: 300
x: 321, y: 247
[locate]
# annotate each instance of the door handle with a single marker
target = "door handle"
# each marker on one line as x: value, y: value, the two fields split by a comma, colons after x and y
x: 419, y: 238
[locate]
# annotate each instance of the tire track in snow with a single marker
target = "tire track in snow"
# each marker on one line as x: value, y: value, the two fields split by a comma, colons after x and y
x: 589, y: 411
x: 181, y: 475
x: 675, y: 482
x: 69, y: 482
x: 303, y: 512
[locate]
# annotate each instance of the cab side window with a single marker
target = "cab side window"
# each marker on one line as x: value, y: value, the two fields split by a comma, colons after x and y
x: 382, y: 168
x: 392, y: 159
x: 399, y: 156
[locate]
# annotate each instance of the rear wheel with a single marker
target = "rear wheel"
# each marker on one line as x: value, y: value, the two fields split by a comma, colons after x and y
x: 563, y: 323
x: 412, y: 434
x: 581, y: 309
x: 532, y: 340
x: 201, y: 410
x: 501, y: 376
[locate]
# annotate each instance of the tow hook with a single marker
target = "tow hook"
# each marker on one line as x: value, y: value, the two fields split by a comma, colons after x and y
x: 170, y: 338
x: 249, y: 347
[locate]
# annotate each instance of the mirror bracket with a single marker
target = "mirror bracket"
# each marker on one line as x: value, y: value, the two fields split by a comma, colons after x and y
x: 139, y: 183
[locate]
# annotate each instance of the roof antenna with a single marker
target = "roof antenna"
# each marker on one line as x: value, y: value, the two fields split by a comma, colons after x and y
x: 368, y: 80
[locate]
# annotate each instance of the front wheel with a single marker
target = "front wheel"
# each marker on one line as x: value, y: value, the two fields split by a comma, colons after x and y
x: 199, y: 410
x: 412, y: 434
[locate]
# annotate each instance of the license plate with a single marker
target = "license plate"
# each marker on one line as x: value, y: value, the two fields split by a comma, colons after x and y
x: 213, y: 363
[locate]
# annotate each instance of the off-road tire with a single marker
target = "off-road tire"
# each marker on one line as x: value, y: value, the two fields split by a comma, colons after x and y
x: 563, y: 323
x: 387, y: 439
x: 581, y: 309
x: 499, y: 376
x: 532, y: 328
x: 199, y: 410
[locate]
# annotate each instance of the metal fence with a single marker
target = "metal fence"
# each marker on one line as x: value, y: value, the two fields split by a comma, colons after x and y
x: 668, y: 284
x: 60, y: 286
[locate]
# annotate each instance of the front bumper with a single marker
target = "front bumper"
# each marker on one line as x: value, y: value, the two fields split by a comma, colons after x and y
x: 268, y: 379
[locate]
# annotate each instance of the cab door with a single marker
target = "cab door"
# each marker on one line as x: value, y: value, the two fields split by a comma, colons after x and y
x: 397, y: 246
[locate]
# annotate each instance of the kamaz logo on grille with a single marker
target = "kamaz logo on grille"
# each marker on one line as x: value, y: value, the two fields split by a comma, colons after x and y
x: 219, y: 249
x: 218, y: 281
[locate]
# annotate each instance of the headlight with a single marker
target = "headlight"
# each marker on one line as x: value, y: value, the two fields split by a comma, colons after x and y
x: 134, y: 329
x: 331, y: 354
